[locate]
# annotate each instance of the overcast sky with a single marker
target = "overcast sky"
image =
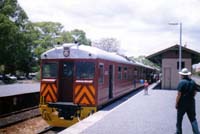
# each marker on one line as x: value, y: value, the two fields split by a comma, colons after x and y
x: 141, y: 26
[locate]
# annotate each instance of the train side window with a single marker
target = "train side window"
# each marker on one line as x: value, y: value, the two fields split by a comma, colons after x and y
x: 135, y: 72
x: 125, y: 73
x: 119, y: 73
x: 130, y: 74
x: 101, y: 73
x: 49, y: 70
x: 85, y: 70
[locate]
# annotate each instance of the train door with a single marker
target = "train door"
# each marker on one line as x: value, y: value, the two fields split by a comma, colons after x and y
x: 167, y: 78
x: 110, y: 81
x: 66, y: 82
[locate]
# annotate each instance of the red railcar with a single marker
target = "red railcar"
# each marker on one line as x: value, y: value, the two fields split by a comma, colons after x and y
x: 77, y: 80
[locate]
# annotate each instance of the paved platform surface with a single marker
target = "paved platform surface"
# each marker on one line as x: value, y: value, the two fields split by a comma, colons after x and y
x: 17, y: 89
x: 138, y: 114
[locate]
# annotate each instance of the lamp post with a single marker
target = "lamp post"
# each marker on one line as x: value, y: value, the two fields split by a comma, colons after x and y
x: 180, y: 45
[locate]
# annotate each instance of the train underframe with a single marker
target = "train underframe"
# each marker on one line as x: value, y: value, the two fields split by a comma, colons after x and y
x: 63, y: 114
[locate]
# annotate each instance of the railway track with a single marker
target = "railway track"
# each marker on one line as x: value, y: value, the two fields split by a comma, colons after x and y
x: 51, y: 130
x: 18, y: 116
x: 29, y: 126
x: 29, y: 121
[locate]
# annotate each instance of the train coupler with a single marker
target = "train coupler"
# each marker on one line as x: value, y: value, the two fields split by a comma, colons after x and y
x: 66, y: 110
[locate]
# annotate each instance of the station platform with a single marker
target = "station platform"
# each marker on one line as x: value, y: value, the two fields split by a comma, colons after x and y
x: 16, y: 97
x: 137, y: 114
x: 18, y: 89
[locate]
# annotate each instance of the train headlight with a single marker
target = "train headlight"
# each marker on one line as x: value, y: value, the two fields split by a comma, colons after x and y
x: 66, y: 51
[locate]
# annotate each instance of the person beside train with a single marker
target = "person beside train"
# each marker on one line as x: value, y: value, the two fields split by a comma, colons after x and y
x: 185, y: 101
x: 146, y: 85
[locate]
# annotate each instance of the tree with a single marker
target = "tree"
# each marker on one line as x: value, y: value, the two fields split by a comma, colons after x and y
x: 22, y: 42
x: 67, y: 37
x: 143, y: 60
x: 7, y: 42
x: 107, y: 44
x: 26, y: 64
x: 81, y: 35
x: 51, y: 33
x: 15, y: 45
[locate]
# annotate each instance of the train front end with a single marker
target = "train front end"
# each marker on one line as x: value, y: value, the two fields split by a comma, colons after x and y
x: 68, y: 88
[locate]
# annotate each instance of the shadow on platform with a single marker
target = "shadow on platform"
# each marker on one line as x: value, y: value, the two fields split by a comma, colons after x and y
x: 120, y: 100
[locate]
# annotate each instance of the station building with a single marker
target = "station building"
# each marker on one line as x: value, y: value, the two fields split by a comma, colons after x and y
x: 168, y: 59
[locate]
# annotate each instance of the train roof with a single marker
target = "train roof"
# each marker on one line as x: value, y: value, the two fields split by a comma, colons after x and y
x: 73, y: 51
x: 146, y: 66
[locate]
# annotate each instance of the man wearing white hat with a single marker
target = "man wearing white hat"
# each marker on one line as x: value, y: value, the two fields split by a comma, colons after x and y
x: 185, y: 102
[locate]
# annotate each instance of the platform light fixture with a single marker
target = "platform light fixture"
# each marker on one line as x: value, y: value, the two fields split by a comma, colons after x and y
x: 180, y: 44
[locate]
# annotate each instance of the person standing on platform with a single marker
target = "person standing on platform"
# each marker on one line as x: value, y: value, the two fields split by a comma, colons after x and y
x: 185, y: 101
x: 146, y: 85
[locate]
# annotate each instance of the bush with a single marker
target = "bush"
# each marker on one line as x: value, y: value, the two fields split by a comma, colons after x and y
x: 37, y: 77
x: 35, y: 68
x: 198, y: 73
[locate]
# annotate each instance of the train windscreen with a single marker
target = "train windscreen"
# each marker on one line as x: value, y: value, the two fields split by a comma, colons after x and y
x: 85, y: 70
x: 49, y: 70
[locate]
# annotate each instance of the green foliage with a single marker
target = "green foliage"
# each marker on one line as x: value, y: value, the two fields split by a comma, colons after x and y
x: 143, y: 60
x: 49, y: 33
x: 38, y: 76
x: 22, y: 42
x: 35, y: 68
x: 52, y: 33
x: 196, y: 74
x: 7, y: 39
x: 1, y: 69
x: 15, y: 38
x: 81, y: 37
x: 67, y: 37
